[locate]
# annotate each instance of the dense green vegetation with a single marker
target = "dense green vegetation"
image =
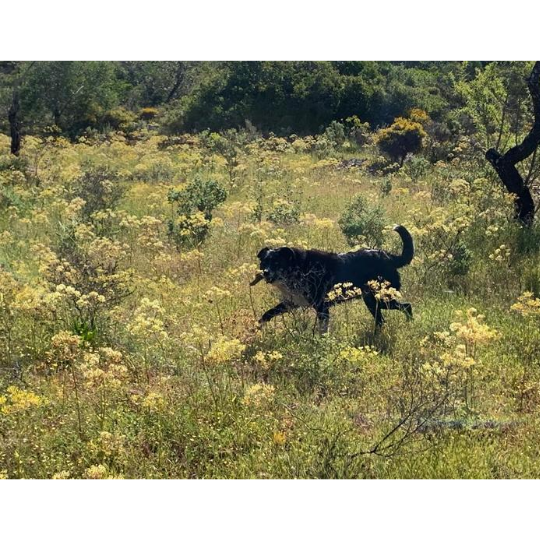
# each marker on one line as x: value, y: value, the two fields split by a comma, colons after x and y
x: 283, y: 97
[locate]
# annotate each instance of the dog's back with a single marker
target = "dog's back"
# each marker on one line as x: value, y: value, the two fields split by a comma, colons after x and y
x: 357, y: 267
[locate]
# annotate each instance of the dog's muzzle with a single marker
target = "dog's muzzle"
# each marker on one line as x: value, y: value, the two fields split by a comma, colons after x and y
x: 262, y: 274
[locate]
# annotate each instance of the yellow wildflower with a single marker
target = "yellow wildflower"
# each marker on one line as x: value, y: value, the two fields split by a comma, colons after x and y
x: 18, y: 400
x: 358, y: 354
x: 473, y: 330
x: 224, y: 350
x: 266, y: 359
x: 279, y: 438
x: 258, y: 394
x: 61, y: 475
x: 153, y: 402
x: 96, y: 472
x: 527, y: 305
x: 383, y: 291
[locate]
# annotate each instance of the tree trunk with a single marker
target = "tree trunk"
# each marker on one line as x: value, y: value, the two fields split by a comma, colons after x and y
x: 15, y: 124
x: 514, y: 184
x: 180, y: 76
x: 505, y: 164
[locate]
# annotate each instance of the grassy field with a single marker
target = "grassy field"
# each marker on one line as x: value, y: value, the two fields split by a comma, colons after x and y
x: 128, y: 337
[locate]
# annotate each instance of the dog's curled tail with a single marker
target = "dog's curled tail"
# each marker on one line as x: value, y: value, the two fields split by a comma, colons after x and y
x: 408, y: 247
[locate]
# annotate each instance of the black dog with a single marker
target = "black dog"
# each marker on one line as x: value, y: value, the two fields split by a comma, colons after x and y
x: 305, y: 277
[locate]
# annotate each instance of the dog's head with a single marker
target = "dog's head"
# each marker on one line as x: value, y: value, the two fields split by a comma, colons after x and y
x: 276, y: 263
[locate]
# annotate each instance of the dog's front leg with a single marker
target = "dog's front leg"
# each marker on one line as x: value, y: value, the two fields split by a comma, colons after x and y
x: 282, y: 307
x: 323, y: 318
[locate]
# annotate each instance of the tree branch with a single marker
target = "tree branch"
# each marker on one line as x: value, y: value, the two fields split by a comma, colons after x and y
x: 530, y: 142
x: 505, y: 164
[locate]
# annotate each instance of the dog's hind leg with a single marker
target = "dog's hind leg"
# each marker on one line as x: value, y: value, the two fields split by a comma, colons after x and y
x: 373, y: 306
x: 402, y: 306
x: 407, y: 309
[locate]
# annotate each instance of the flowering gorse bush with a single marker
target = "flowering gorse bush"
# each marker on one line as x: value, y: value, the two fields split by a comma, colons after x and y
x: 404, y: 136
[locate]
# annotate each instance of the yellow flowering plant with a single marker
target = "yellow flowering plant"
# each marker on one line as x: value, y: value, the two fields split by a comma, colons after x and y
x: 453, y: 355
x: 527, y: 305
x: 16, y: 400
x: 224, y: 350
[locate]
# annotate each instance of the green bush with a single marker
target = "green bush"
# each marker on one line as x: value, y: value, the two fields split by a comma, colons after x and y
x: 357, y: 130
x: 460, y: 263
x: 229, y: 146
x: 323, y: 146
x: 335, y: 133
x: 363, y: 222
x: 99, y: 186
x: 417, y: 167
x: 195, y: 204
x: 284, y: 212
x: 201, y: 195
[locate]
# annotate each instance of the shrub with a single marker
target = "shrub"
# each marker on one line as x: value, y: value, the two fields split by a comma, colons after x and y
x: 284, y: 212
x: 148, y: 113
x: 380, y: 166
x: 417, y: 167
x: 189, y: 230
x: 201, y: 195
x: 460, y: 262
x: 228, y: 145
x: 357, y: 130
x: 419, y: 115
x: 362, y: 221
x: 196, y: 202
x: 87, y: 276
x: 386, y: 186
x: 119, y: 119
x: 155, y: 167
x: 99, y: 186
x: 401, y: 138
x: 323, y: 146
x: 335, y: 133
x: 441, y: 142
x: 274, y: 144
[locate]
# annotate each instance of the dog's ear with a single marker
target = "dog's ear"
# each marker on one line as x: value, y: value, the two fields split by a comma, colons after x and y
x: 262, y: 254
x: 287, y: 253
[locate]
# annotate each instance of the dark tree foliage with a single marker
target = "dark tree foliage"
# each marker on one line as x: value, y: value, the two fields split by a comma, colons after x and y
x: 280, y: 97
x: 304, y: 97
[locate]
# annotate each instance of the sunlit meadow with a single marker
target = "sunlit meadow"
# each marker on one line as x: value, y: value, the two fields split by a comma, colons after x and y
x: 129, y: 344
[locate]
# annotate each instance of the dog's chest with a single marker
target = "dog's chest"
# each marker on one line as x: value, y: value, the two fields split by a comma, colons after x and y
x: 291, y: 295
